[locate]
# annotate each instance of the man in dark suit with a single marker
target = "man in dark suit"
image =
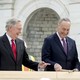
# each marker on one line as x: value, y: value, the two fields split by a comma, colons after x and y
x: 59, y: 50
x: 12, y: 50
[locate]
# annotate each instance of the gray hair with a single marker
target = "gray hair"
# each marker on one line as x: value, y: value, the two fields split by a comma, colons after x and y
x: 11, y: 22
x: 64, y: 19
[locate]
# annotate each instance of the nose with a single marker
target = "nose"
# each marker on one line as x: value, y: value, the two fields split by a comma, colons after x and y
x: 66, y: 31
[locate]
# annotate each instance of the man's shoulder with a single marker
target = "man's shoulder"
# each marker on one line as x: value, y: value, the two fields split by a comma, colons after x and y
x: 3, y: 37
x: 52, y: 36
x: 70, y: 39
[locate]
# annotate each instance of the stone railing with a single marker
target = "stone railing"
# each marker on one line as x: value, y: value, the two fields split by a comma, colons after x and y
x: 25, y: 75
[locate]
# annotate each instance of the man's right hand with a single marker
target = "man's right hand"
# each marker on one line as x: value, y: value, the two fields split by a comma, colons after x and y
x: 57, y: 67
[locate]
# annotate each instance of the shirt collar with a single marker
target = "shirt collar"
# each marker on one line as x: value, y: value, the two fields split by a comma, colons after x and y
x: 60, y: 37
x: 9, y: 38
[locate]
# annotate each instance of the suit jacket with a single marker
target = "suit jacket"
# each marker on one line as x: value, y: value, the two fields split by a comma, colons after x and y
x: 53, y: 52
x: 7, y: 61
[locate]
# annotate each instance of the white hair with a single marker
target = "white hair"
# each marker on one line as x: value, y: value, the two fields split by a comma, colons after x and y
x: 11, y: 22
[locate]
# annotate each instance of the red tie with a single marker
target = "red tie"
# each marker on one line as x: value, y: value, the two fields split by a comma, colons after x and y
x: 13, y: 48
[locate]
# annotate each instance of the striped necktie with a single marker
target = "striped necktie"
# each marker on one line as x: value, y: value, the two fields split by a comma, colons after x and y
x: 64, y: 45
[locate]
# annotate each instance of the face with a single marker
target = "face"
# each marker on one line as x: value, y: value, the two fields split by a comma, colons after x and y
x: 63, y: 29
x: 15, y: 30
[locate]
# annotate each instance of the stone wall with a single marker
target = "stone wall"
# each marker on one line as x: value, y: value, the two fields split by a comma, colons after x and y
x: 42, y: 24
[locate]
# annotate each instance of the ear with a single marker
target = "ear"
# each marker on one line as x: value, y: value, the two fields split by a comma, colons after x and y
x: 10, y: 28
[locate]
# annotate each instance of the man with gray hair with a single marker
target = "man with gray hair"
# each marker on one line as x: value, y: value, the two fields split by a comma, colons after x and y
x: 12, y: 49
x: 59, y: 50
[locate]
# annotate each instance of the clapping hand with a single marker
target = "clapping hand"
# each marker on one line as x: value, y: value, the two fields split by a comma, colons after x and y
x: 57, y: 67
x: 42, y: 65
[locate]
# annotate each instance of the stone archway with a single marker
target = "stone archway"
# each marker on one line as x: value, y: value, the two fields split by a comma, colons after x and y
x: 41, y: 23
x: 28, y: 15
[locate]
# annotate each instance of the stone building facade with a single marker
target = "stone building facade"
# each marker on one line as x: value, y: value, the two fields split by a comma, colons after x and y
x: 39, y: 18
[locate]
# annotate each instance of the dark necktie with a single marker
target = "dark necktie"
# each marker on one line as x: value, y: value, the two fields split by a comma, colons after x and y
x: 13, y: 48
x: 64, y: 45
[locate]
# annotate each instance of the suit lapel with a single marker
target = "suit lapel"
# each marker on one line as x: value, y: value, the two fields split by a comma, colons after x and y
x: 18, y: 49
x: 68, y: 44
x: 59, y: 43
x: 7, y: 46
